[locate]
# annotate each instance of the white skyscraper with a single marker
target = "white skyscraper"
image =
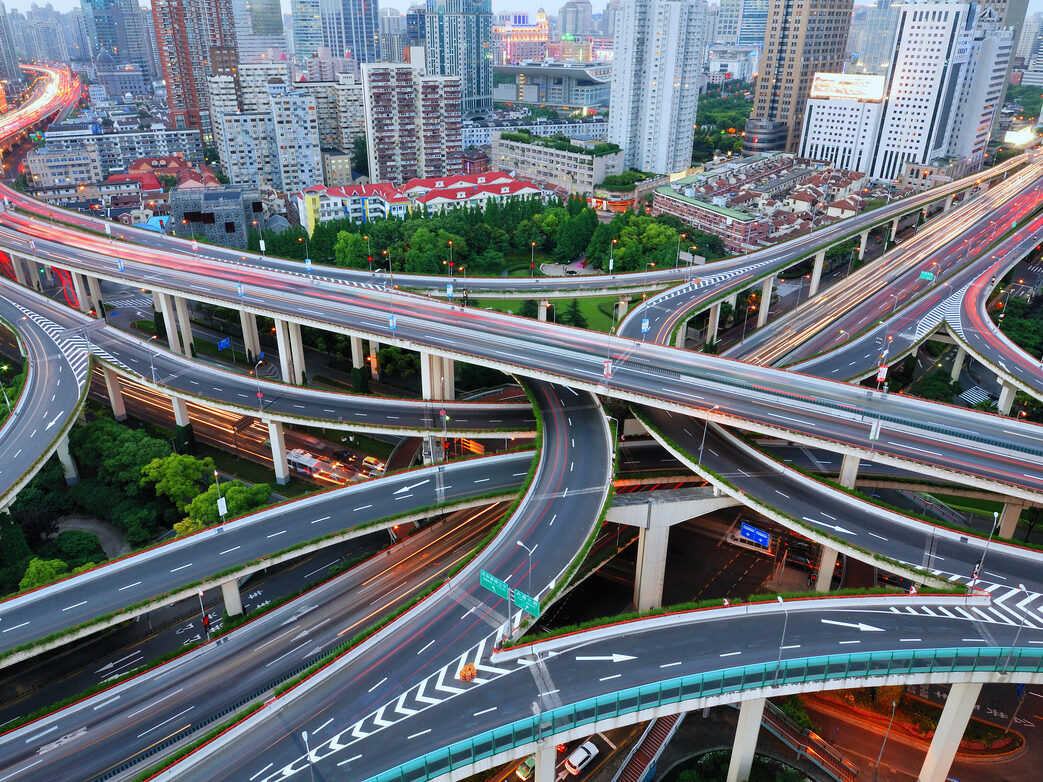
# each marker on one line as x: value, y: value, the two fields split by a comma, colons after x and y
x: 655, y: 82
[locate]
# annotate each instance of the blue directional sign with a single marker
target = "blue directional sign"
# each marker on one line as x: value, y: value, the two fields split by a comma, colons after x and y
x: 449, y: 290
x: 222, y: 344
x: 758, y: 536
x: 644, y: 325
x: 307, y: 265
x: 392, y: 323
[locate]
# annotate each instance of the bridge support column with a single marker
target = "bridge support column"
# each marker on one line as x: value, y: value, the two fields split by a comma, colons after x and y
x: 546, y: 761
x: 278, y: 441
x: 951, y: 725
x: 816, y: 273
x: 166, y: 309
x: 1009, y: 517
x: 894, y: 227
x: 297, y: 353
x: 80, y: 287
x: 180, y: 411
x: 849, y: 471
x: 652, y: 544
x: 745, y: 744
x: 712, y: 323
x: 621, y: 309
x: 948, y: 202
x: 541, y: 309
x: 358, y: 353
x: 863, y: 240
x: 682, y: 334
x: 282, y: 339
x: 184, y: 324
x: 233, y: 600
x: 112, y: 385
x: 374, y: 360
x: 1006, y: 398
x: 34, y: 274
x: 957, y: 364
x: 94, y: 289
x: 766, y: 289
x: 432, y: 377
x: 251, y: 341
x: 449, y: 372
x: 827, y: 561
x: 17, y: 268
x: 72, y: 475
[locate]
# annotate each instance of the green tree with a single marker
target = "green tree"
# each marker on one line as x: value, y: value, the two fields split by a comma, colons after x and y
x: 75, y: 548
x: 41, y: 572
x: 359, y: 156
x: 574, y: 316
x: 14, y: 554
x: 241, y: 499
x: 178, y: 477
x: 350, y: 251
x: 529, y: 309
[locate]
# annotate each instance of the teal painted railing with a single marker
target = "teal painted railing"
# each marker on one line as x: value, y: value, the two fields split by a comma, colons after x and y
x: 693, y: 687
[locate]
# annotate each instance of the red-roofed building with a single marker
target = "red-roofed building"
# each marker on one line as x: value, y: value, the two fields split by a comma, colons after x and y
x: 416, y: 187
x: 358, y: 203
x: 463, y: 195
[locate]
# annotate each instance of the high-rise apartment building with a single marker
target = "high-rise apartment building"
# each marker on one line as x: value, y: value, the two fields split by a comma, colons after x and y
x: 802, y: 37
x: 392, y: 31
x: 742, y: 22
x: 307, y: 27
x: 878, y: 37
x: 9, y: 70
x: 1027, y: 46
x: 574, y: 19
x: 258, y: 29
x: 655, y: 82
x: 196, y: 39
x: 349, y: 28
x: 413, y: 121
x: 416, y: 25
x: 459, y: 43
x: 117, y: 28
x: 517, y: 40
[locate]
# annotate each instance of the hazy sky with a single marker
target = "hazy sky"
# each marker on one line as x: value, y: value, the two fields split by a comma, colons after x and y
x: 531, y: 6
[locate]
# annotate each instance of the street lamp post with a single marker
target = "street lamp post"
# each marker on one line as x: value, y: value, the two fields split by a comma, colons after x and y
x: 677, y: 257
x: 532, y: 259
x: 202, y: 609
x: 749, y: 308
x: 450, y: 259
x: 1024, y: 618
x: 876, y: 771
x: 612, y: 256
x: 311, y: 766
x: 782, y: 641
x: 260, y: 396
x: 981, y: 562
x: 706, y: 425
x: 6, y: 400
x: 528, y: 550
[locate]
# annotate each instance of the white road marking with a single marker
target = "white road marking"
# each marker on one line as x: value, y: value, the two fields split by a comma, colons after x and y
x: 485, y: 711
x: 280, y: 532
x: 378, y: 684
x: 669, y: 665
x: 421, y: 733
x: 229, y: 550
x: 182, y: 567
x: 75, y: 605
x: 730, y: 654
x: 164, y: 722
x: 349, y: 760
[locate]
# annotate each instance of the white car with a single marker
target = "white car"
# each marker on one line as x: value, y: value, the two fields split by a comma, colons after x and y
x: 581, y: 757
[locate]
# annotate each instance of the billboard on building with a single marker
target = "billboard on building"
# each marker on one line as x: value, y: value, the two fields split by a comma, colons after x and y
x: 851, y: 86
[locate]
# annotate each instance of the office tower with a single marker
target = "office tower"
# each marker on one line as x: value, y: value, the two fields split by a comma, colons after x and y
x: 516, y: 40
x: 307, y: 27
x: 459, y: 43
x: 413, y: 121
x: 196, y: 39
x: 1028, y: 43
x: 878, y: 37
x: 802, y: 39
x: 416, y: 25
x: 74, y: 26
x: 574, y: 19
x: 349, y: 28
x: 117, y: 28
x: 9, y: 70
x: 148, y: 27
x: 742, y: 22
x: 258, y: 28
x: 276, y: 147
x: 392, y: 31
x: 39, y: 34
x: 1011, y: 13
x: 655, y: 82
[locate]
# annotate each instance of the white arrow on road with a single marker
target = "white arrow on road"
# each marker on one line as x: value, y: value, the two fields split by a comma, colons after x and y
x: 612, y: 658
x: 52, y: 423
x: 412, y: 486
x: 835, y: 527
x: 860, y: 626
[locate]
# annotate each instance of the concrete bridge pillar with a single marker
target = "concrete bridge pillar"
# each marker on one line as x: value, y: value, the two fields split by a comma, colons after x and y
x: 79, y: 285
x: 297, y: 353
x: 166, y: 309
x: 115, y: 391
x: 957, y: 364
x: 251, y: 341
x: 184, y: 324
x: 712, y: 323
x: 863, y: 240
x: 94, y: 289
x: 816, y: 273
x: 449, y: 372
x: 546, y: 761
x: 374, y: 360
x: 827, y: 562
x: 34, y: 274
x: 621, y: 309
x: 1006, y: 401
x: 652, y: 544
x: 894, y: 227
x: 180, y: 411
x: 72, y: 475
x: 849, y: 471
x: 766, y: 289
x: 282, y: 339
x: 682, y: 335
x: 358, y: 353
x: 948, y: 202
x: 17, y: 268
x: 233, y: 600
x: 745, y: 745
x: 1009, y: 517
x: 278, y: 442
x: 541, y: 309
x: 951, y: 725
x: 432, y: 379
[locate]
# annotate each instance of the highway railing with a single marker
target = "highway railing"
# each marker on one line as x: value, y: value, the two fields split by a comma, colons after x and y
x: 728, y: 682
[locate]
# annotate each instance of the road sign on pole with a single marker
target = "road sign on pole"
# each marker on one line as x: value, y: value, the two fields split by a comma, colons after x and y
x: 608, y: 368
x: 449, y: 291
x: 493, y: 584
x: 881, y: 373
x: 223, y: 344
x: 392, y: 323
x: 758, y: 536
x: 927, y: 276
x: 644, y: 325
x: 528, y: 604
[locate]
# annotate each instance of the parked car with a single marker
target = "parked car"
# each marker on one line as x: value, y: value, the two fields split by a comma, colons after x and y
x: 581, y: 757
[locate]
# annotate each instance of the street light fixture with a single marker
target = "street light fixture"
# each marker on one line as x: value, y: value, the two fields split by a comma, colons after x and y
x: 532, y: 259
x: 981, y: 562
x: 677, y: 257
x: 612, y: 256
x: 260, y: 396
x: 6, y: 400
x: 782, y: 641
x: 529, y: 551
x: 311, y: 766
x: 876, y: 771
x: 706, y: 425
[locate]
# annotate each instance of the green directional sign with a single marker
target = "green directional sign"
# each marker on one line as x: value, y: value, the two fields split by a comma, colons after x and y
x: 528, y: 604
x: 927, y: 276
x: 493, y: 584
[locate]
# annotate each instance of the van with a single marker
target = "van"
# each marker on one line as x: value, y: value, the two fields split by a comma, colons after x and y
x: 525, y: 768
x: 581, y: 757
